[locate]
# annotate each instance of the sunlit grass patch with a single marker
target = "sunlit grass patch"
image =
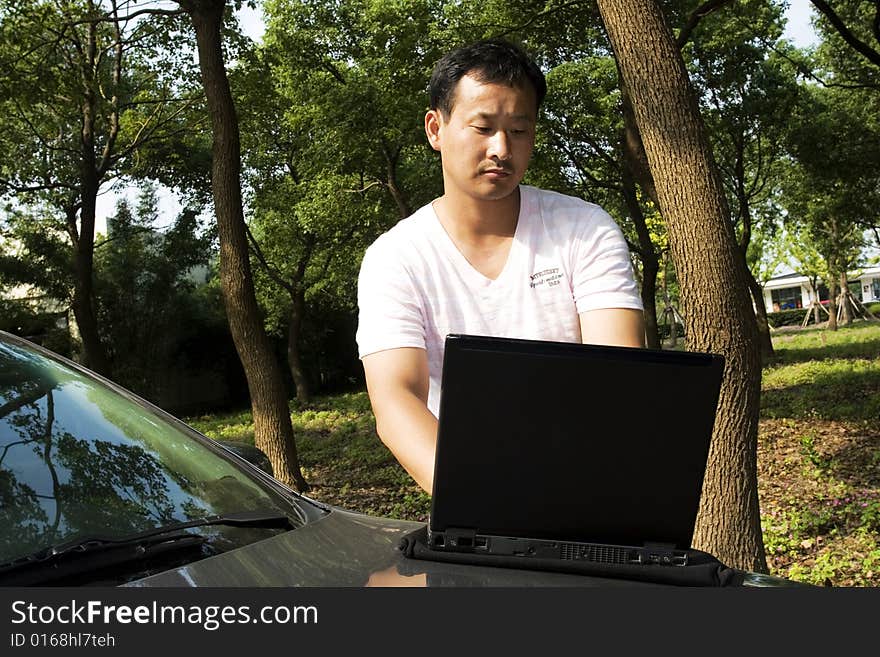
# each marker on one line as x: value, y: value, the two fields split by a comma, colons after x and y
x: 237, y: 426
x: 843, y: 389
x: 858, y: 340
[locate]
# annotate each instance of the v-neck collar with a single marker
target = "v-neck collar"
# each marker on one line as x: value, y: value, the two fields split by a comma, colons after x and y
x: 463, y: 265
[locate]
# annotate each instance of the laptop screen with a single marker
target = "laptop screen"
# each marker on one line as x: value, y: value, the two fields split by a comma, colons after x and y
x: 572, y: 442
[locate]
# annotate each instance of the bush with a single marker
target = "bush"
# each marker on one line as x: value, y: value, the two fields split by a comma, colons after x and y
x: 792, y: 317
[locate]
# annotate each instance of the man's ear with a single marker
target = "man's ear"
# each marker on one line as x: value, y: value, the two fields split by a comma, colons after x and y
x: 433, y: 123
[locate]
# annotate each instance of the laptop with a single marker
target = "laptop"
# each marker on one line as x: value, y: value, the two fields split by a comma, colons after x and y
x: 563, y: 451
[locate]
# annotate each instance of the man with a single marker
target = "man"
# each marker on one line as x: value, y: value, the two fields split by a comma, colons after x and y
x: 489, y: 257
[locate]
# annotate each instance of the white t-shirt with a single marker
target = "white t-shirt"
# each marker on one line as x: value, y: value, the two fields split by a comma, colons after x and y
x: 415, y: 287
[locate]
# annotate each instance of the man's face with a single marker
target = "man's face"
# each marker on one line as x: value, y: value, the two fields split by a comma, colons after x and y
x: 486, y: 141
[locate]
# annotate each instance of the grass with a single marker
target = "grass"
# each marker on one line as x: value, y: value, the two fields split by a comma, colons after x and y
x: 340, y: 455
x: 818, y: 456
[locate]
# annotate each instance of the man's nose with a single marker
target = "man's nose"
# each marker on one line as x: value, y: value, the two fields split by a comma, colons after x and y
x: 499, y: 146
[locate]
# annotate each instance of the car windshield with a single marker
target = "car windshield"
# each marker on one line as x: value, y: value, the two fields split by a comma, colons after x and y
x: 79, y: 458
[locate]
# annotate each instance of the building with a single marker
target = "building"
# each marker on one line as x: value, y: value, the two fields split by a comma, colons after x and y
x: 794, y: 290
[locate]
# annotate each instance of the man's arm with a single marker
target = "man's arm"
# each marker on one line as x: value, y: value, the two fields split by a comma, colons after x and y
x: 397, y: 382
x: 624, y: 327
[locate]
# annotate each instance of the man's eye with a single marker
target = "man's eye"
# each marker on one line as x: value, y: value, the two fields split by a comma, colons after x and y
x: 482, y: 129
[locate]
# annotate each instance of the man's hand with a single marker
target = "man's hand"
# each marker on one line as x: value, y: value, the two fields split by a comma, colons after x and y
x: 397, y: 382
x: 623, y: 327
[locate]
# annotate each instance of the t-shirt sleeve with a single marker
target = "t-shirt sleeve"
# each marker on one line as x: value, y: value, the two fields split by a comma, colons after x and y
x: 602, y: 273
x: 389, y: 313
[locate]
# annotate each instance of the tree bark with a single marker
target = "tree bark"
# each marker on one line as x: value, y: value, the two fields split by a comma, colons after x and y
x: 765, y: 340
x: 634, y: 156
x: 273, y: 431
x: 745, y: 213
x: 845, y: 310
x: 94, y: 354
x: 832, y: 305
x: 715, y: 302
x: 294, y: 361
x: 391, y: 159
x: 648, y: 255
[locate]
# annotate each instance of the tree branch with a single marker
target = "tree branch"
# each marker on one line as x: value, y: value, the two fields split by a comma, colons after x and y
x: 375, y: 183
x: 24, y: 400
x: 846, y: 34
x: 271, y: 270
x: 694, y: 19
x: 125, y: 19
x: 547, y: 11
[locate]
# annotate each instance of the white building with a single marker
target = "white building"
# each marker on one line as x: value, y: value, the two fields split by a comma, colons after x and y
x: 794, y: 290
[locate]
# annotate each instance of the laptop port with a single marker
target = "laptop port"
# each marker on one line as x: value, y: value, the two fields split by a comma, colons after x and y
x: 481, y: 543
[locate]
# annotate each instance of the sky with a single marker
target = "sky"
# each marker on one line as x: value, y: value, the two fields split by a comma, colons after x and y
x: 798, y: 30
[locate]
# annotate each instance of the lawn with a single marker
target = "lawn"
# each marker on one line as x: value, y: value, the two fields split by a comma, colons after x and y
x: 818, y: 456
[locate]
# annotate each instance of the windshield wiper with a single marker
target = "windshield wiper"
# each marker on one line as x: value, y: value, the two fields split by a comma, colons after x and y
x: 88, y: 553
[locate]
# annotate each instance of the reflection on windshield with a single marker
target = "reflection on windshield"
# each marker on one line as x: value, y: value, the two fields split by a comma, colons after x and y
x: 78, y: 459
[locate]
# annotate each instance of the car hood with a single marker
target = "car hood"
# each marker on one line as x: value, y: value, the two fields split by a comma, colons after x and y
x: 352, y: 550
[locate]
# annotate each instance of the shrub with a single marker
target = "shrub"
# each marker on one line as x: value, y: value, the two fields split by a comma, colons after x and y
x: 786, y: 317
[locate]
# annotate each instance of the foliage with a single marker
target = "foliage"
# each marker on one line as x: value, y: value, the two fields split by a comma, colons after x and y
x: 747, y: 95
x: 839, y: 60
x: 832, y: 192
x: 792, y: 317
x: 332, y: 106
x: 147, y: 297
x: 84, y: 89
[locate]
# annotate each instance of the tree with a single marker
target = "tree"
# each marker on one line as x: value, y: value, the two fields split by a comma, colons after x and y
x: 81, y: 94
x: 145, y: 294
x: 833, y: 187
x: 851, y: 41
x: 807, y: 261
x: 747, y: 100
x: 331, y: 114
x: 273, y: 430
x: 714, y: 295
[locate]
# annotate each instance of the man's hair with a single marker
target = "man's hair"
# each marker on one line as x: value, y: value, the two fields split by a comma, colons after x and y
x: 490, y: 61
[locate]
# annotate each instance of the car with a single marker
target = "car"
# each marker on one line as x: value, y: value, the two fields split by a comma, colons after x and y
x: 101, y: 488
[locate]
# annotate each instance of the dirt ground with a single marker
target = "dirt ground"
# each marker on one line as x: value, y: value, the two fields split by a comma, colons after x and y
x: 819, y: 486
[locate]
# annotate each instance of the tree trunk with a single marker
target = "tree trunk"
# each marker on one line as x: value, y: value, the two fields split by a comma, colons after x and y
x: 273, y: 431
x: 297, y: 371
x: 648, y: 255
x: 745, y: 213
x: 717, y: 309
x: 94, y: 354
x: 832, y: 304
x: 634, y: 157
x: 845, y: 310
x: 764, y: 339
x: 403, y: 207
